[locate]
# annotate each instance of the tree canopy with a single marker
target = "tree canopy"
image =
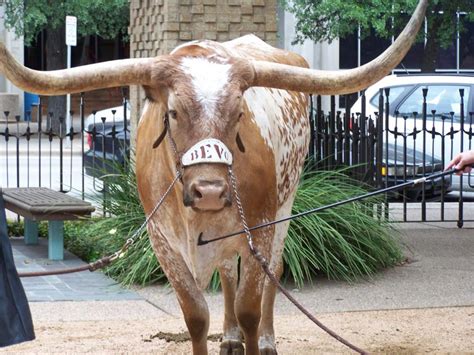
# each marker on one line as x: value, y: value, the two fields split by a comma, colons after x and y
x: 105, y: 18
x: 325, y: 20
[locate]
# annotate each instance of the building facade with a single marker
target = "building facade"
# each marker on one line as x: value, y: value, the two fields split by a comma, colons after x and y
x: 11, y: 98
x: 158, y: 26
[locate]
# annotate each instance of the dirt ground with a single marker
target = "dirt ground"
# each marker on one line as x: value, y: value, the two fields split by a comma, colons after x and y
x: 410, y: 331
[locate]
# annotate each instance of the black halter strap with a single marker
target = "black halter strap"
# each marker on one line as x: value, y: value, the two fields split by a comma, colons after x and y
x: 163, y: 134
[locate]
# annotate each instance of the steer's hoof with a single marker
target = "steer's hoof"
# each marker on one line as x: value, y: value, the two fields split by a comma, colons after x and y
x: 266, y: 345
x: 268, y: 351
x: 232, y: 347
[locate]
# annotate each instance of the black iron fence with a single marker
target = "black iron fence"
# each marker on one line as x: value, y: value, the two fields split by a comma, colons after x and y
x: 73, y: 160
x: 388, y: 148
x: 383, y: 148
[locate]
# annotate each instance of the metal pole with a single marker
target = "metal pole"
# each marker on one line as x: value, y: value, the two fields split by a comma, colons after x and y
x: 458, y: 38
x: 68, y: 98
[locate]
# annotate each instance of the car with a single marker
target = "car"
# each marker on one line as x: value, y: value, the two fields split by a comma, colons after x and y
x: 442, y: 138
x: 402, y: 166
x: 108, y: 148
x: 114, y: 114
x: 100, y: 131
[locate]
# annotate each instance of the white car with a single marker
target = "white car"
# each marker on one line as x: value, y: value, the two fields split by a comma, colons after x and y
x: 442, y: 120
x: 109, y: 114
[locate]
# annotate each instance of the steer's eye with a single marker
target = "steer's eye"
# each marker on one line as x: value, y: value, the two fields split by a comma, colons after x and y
x: 241, y: 115
x: 173, y: 114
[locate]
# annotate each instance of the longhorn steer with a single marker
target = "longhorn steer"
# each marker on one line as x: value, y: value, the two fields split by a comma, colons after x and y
x: 221, y: 104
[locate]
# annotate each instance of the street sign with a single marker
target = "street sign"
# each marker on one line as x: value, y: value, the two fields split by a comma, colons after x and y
x: 71, y: 30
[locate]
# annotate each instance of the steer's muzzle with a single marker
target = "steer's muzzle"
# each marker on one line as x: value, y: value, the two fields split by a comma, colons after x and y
x: 207, y: 195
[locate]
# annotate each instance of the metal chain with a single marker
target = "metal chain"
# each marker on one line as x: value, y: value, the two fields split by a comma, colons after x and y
x: 271, y: 275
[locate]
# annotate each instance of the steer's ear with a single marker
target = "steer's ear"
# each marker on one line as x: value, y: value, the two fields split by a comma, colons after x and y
x: 244, y: 74
x: 164, y: 69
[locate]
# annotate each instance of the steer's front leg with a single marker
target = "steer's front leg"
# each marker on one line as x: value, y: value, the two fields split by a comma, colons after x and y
x: 249, y: 294
x: 232, y: 337
x: 190, y: 297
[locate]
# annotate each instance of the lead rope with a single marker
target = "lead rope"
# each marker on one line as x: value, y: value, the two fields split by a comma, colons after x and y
x: 264, y: 263
x: 106, y: 260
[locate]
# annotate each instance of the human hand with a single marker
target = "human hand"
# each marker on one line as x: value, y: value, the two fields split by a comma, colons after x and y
x: 462, y: 162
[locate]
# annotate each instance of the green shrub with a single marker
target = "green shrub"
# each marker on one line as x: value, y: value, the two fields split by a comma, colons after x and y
x: 343, y: 243
x: 17, y: 228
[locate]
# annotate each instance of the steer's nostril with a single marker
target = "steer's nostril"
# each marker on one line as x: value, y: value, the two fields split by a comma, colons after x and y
x: 224, y: 193
x: 197, y: 194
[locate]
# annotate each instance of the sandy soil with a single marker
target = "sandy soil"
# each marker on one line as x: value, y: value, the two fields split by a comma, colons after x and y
x: 411, y: 331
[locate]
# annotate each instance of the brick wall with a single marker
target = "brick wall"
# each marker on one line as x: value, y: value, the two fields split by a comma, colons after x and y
x: 158, y: 26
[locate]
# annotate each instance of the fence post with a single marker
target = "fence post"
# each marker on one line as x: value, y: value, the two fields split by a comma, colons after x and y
x: 461, y: 205
x: 332, y: 131
x: 61, y: 170
x: 124, y: 100
x: 339, y: 136
x: 347, y: 134
x: 81, y: 114
x: 379, y: 152
x: 423, y: 187
x: 40, y: 131
x: 17, y: 136
x: 363, y: 138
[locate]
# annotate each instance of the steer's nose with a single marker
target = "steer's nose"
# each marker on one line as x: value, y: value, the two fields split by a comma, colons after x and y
x: 210, y: 195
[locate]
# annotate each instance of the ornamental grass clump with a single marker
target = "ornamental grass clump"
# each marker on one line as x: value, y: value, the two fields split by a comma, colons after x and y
x: 345, y: 243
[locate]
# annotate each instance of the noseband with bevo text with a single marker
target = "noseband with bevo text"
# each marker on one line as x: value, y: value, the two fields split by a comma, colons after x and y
x: 208, y: 150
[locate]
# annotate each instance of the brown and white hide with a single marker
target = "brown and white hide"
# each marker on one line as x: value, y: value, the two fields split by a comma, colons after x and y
x: 274, y: 130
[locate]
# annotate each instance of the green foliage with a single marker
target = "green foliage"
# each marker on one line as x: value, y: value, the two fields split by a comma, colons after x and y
x: 17, y: 228
x: 322, y: 20
x: 343, y: 243
x: 106, y: 18
x: 104, y: 236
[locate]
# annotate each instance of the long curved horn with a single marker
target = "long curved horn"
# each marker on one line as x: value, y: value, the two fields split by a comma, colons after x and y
x: 323, y: 82
x: 88, y: 77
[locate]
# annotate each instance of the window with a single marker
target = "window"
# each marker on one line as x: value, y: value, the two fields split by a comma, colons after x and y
x: 372, y: 46
x: 442, y: 98
x: 348, y: 51
x: 394, y: 94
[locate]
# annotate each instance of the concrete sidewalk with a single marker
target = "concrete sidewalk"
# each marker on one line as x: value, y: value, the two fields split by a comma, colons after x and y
x: 81, y: 286
x: 439, y: 273
x: 423, y: 306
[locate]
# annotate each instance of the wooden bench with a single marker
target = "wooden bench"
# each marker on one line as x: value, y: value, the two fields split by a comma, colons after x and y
x: 43, y: 204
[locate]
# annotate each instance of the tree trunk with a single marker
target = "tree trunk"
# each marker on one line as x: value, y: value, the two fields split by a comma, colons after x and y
x: 56, y: 59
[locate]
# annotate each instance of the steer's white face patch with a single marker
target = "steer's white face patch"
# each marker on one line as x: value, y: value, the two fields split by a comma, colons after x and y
x: 209, y: 80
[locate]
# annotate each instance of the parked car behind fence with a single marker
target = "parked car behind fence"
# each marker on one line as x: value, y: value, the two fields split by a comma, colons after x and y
x: 447, y: 130
x: 108, y: 140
